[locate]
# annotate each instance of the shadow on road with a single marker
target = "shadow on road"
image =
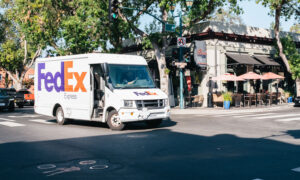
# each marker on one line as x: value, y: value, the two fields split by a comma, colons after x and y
x: 294, y: 133
x: 129, y: 126
x: 156, y: 154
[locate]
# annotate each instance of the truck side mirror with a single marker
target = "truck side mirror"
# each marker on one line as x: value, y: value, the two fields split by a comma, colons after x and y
x: 104, y: 68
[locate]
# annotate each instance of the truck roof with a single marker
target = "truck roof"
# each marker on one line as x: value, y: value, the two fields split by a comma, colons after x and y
x: 95, y: 58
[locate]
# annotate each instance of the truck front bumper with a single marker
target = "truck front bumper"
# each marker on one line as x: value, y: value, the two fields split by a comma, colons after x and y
x: 132, y: 115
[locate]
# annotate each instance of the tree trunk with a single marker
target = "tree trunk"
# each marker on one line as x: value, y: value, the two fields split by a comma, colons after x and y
x: 278, y: 41
x: 161, y: 62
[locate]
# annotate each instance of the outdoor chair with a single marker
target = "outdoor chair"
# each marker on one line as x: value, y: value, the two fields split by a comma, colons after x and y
x: 248, y: 99
x: 260, y: 98
x: 253, y: 99
x: 218, y: 99
x: 268, y: 99
x: 276, y: 98
x: 279, y: 99
x: 197, y: 101
x: 236, y: 99
x: 286, y: 96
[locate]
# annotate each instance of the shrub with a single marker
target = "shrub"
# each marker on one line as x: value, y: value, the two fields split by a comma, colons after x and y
x: 227, y: 96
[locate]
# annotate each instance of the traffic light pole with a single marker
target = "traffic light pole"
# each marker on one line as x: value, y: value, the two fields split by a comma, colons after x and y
x: 180, y: 60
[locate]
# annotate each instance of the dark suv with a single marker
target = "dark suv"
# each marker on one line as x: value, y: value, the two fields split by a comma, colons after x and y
x: 6, y: 101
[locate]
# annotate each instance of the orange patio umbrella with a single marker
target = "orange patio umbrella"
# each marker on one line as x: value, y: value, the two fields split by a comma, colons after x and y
x: 227, y: 77
x: 250, y: 75
x: 271, y: 75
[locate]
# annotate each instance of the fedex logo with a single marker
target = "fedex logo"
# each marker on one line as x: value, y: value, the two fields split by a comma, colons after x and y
x: 51, y: 81
x: 146, y: 93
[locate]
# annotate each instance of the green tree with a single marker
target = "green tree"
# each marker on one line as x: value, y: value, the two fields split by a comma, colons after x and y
x: 2, y: 28
x: 155, y: 35
x: 60, y: 27
x: 278, y: 9
x: 293, y: 55
x: 226, y: 16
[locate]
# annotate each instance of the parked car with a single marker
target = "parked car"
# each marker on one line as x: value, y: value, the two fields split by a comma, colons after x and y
x: 11, y: 92
x: 6, y: 101
x: 297, y: 101
x: 24, y: 97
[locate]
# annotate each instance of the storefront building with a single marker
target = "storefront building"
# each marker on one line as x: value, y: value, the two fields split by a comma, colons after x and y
x: 215, y: 49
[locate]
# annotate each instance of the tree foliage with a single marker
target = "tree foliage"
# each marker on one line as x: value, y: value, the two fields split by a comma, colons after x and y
x: 295, y: 28
x: 285, y: 9
x: 293, y: 55
x: 2, y: 28
x: 60, y: 27
x: 226, y: 16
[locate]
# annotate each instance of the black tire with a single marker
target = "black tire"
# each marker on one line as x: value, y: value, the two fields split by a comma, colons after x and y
x: 11, y: 107
x: 20, y: 105
x: 113, y: 122
x: 154, y: 123
x: 60, y: 117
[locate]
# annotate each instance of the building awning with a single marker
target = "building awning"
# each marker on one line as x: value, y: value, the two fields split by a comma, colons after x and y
x: 243, y: 59
x: 266, y: 60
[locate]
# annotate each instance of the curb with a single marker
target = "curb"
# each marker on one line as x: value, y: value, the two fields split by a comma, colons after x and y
x: 201, y: 111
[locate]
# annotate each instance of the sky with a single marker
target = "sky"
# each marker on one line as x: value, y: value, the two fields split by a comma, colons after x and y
x: 254, y: 15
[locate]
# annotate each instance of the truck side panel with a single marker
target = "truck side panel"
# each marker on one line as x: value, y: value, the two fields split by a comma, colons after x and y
x: 65, y: 83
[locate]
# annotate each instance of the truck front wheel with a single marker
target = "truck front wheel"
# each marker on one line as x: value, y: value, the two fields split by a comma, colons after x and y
x: 60, y: 118
x: 114, y: 122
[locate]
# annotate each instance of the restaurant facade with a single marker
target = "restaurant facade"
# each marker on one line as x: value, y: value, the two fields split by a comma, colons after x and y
x: 215, y: 49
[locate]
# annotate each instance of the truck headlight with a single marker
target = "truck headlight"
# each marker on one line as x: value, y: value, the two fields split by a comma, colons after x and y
x: 128, y: 103
x: 166, y: 103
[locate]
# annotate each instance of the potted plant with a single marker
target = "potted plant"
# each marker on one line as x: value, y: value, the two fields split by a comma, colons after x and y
x: 227, y: 100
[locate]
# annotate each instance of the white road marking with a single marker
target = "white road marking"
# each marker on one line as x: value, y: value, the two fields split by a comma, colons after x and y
x: 42, y: 121
x: 11, y: 124
x: 278, y: 116
x: 24, y: 116
x: 289, y: 119
x: 253, y: 115
x: 296, y: 169
x: 4, y: 119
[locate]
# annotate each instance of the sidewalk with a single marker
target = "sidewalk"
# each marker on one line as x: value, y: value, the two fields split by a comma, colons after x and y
x: 200, y: 110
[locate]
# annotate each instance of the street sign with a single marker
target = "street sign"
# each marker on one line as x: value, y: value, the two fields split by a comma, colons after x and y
x: 170, y: 27
x: 181, y: 42
x: 180, y: 65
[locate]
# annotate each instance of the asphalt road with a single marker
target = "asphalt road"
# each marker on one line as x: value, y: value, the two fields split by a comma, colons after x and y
x: 256, y: 145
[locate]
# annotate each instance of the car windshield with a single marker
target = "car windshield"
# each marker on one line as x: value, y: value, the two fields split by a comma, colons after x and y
x: 3, y: 92
x: 130, y: 76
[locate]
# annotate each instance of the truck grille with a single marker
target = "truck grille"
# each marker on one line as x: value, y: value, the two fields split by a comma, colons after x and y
x: 150, y: 104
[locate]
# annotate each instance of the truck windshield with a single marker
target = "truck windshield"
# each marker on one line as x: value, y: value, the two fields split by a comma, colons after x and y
x: 130, y: 76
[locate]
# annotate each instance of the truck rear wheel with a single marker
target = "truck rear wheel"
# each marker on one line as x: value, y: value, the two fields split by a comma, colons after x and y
x: 114, y: 122
x: 154, y: 123
x: 60, y: 117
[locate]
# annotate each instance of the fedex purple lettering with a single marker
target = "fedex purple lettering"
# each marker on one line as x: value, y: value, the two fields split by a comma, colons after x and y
x: 51, y: 82
x: 146, y: 93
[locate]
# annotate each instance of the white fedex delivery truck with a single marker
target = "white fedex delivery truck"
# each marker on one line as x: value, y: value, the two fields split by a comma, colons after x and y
x: 110, y: 88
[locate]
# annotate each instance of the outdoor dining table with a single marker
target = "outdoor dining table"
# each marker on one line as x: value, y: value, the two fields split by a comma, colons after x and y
x: 249, y: 97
